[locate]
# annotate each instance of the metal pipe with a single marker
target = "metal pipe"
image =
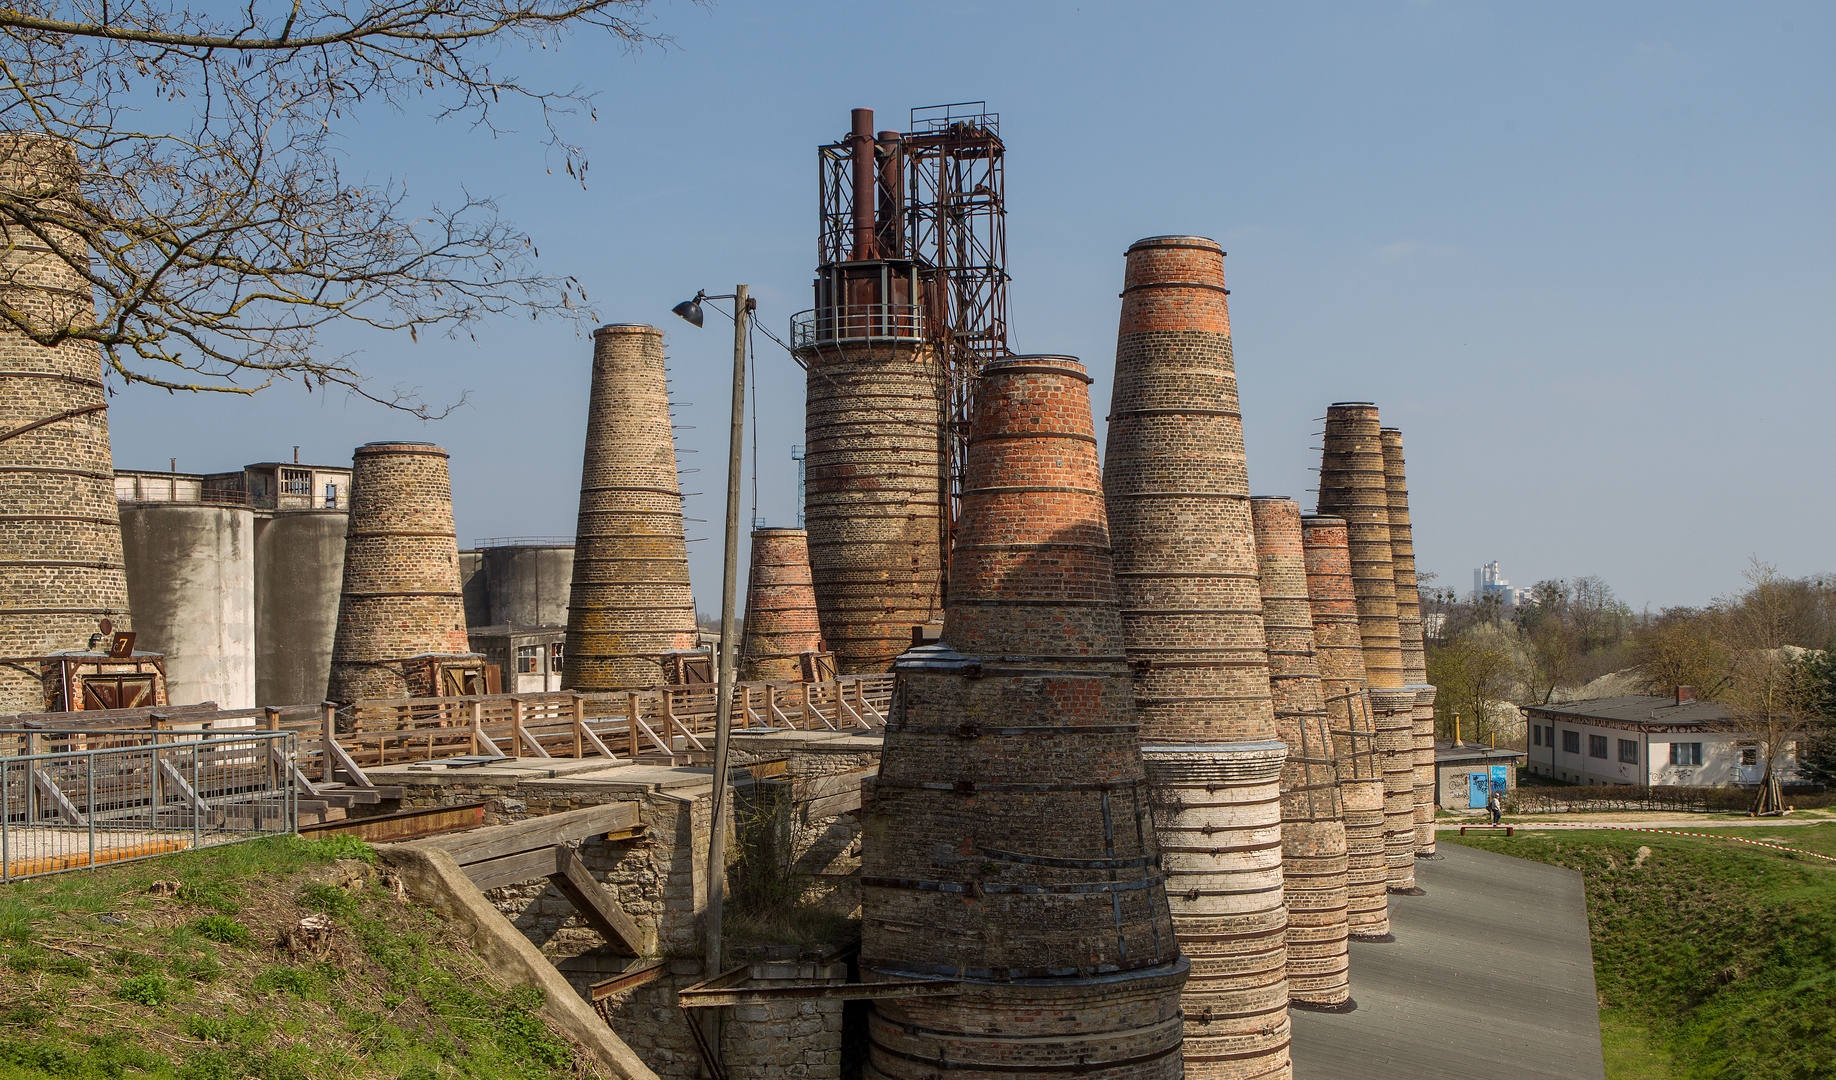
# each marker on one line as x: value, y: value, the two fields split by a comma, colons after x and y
x: 891, y: 222
x: 861, y: 153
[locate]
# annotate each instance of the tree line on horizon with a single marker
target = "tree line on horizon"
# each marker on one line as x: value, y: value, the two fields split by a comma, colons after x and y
x: 1766, y: 653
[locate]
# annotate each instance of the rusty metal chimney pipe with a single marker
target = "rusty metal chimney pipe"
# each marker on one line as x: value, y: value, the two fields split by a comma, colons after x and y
x: 861, y: 148
x: 890, y: 228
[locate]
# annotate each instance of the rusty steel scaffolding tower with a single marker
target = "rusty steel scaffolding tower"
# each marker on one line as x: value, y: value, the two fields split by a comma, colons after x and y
x: 910, y: 304
x: 934, y: 209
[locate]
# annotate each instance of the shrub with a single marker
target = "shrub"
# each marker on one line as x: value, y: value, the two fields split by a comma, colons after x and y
x: 146, y: 988
x: 225, y: 930
x: 329, y: 899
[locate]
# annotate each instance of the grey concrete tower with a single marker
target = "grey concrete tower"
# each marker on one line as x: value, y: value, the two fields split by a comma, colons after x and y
x: 1008, y: 842
x: 630, y: 601
x: 1409, y: 623
x: 1313, y: 853
x: 61, y: 565
x: 1352, y: 486
x: 1185, y: 550
x: 400, y: 608
x: 1340, y: 653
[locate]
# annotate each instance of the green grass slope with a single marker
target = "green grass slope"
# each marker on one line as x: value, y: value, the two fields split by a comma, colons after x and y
x: 1712, y: 959
x: 278, y: 959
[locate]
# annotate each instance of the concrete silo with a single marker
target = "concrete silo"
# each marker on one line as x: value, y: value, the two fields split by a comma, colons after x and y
x: 299, y: 572
x: 191, y: 576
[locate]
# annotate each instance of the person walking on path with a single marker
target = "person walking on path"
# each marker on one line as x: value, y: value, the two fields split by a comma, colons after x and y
x: 1495, y: 805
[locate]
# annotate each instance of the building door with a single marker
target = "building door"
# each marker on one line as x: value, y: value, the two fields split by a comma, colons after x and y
x: 1478, y: 789
x: 1748, y: 771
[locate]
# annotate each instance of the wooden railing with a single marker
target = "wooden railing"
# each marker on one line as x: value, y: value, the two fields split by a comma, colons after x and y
x: 675, y: 724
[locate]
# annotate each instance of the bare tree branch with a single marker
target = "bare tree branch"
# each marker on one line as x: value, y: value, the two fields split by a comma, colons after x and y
x: 206, y: 207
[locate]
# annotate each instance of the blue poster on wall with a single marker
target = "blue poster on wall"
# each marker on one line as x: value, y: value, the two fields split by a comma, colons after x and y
x: 1500, y: 780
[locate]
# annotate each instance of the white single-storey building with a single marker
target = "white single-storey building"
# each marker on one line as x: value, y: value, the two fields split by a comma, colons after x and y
x: 1648, y: 741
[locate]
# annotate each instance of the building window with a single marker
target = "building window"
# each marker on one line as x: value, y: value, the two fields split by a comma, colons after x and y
x: 554, y: 658
x: 1686, y: 753
x: 1571, y: 742
x: 1628, y: 751
x: 1596, y: 746
x: 296, y: 482
x: 331, y: 496
x: 1536, y: 732
x: 528, y: 659
x: 1749, y: 755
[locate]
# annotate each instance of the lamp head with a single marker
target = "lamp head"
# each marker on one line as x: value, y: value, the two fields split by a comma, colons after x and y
x: 691, y: 309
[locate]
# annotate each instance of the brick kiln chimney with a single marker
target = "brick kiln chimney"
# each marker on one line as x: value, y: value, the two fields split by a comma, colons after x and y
x: 630, y: 600
x: 1352, y: 486
x: 1340, y: 651
x: 1313, y: 850
x: 1178, y: 497
x: 1008, y: 843
x: 61, y: 564
x: 1409, y: 624
x: 780, y: 607
x: 401, y: 597
x: 876, y: 485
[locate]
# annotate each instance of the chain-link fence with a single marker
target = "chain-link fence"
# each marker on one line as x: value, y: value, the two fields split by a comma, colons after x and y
x: 82, y: 798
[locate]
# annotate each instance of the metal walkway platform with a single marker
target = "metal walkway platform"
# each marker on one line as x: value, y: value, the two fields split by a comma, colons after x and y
x: 1491, y: 974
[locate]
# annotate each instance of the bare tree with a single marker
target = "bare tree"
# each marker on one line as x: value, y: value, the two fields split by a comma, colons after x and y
x: 1683, y: 647
x: 1767, y: 697
x: 211, y: 215
x: 1478, y: 674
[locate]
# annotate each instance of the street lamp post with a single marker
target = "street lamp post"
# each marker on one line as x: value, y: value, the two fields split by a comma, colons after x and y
x: 729, y: 590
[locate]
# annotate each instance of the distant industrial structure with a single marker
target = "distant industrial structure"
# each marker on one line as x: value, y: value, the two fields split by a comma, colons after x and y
x: 1488, y: 584
x: 238, y: 573
x: 516, y: 593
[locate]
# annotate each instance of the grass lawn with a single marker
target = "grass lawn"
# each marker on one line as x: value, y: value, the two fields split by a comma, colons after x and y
x: 278, y: 959
x: 1712, y: 959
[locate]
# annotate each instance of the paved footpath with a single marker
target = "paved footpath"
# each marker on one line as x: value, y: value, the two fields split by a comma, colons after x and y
x: 1491, y: 974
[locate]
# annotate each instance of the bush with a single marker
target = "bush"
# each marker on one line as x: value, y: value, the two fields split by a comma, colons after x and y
x: 224, y: 930
x: 146, y: 988
x: 329, y: 899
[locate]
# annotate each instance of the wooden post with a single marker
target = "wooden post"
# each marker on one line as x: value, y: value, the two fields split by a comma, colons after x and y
x: 328, y: 729
x: 666, y: 704
x: 516, y: 726
x: 579, y: 725
x: 806, y: 706
x: 771, y: 702
x: 477, y: 711
x: 631, y: 725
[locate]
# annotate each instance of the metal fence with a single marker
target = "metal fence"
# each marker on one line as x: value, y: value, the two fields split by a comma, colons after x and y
x: 85, y: 797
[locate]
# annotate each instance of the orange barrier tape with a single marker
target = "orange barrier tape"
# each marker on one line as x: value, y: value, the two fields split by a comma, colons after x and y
x: 1672, y: 832
x: 50, y: 864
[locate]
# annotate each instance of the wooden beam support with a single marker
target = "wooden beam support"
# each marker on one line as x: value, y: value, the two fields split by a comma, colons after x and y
x: 544, y: 831
x: 595, y: 904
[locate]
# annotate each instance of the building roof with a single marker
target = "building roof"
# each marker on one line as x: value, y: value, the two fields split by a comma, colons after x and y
x: 1641, y: 709
x: 1446, y: 750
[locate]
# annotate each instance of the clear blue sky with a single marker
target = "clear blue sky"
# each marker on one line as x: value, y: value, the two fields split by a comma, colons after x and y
x: 1583, y: 255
